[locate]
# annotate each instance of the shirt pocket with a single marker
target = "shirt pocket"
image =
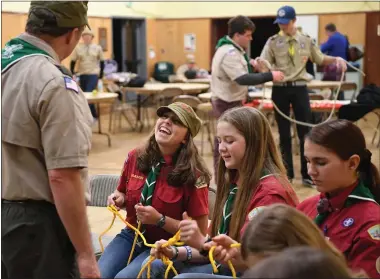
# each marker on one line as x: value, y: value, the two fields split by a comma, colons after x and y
x: 134, y: 187
x: 93, y: 52
x: 281, y: 56
x: 170, y: 200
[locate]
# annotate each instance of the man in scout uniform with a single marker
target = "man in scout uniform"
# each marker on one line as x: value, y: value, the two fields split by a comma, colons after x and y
x: 289, y: 51
x: 232, y: 72
x: 46, y: 137
x: 91, y: 65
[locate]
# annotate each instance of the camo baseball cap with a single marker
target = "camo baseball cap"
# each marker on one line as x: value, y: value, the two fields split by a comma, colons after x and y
x: 69, y: 14
x: 186, y: 115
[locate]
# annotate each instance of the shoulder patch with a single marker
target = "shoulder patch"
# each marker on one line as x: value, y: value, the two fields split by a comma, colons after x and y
x: 71, y: 84
x: 254, y: 212
x: 201, y: 182
x: 231, y: 51
x: 374, y: 232
x: 274, y: 37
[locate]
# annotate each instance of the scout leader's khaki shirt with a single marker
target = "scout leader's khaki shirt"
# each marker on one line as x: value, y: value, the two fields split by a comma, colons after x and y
x: 227, y: 65
x: 45, y: 125
x: 276, y: 51
x: 88, y: 57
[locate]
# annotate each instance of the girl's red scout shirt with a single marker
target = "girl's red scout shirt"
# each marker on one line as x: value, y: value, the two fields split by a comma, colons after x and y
x: 354, y: 230
x: 167, y: 200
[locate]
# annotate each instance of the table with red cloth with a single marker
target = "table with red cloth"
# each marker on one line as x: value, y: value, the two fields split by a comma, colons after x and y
x: 316, y: 105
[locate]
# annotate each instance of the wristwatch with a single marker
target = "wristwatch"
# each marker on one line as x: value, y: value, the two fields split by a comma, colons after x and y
x: 161, y: 222
x: 204, y: 252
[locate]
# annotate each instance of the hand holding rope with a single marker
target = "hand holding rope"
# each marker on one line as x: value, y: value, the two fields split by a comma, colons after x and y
x: 174, y: 241
x: 266, y: 66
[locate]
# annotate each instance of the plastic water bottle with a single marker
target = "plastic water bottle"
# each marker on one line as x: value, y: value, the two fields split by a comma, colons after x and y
x: 100, y: 86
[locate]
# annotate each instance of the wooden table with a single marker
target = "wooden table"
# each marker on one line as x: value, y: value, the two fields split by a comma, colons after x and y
x: 151, y: 89
x: 97, y: 99
x: 199, y: 80
x: 156, y: 88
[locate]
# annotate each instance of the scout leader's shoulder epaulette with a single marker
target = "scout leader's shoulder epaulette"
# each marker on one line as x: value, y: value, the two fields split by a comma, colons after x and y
x: 64, y: 70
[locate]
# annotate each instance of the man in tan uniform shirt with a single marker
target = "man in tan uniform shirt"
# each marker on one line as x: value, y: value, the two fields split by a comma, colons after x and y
x: 90, y: 65
x: 231, y: 71
x: 289, y: 51
x: 190, y: 65
x: 46, y: 138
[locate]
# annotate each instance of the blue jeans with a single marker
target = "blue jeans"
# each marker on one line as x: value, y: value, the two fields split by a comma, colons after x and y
x: 158, y: 269
x: 88, y: 83
x: 113, y: 262
x: 200, y: 275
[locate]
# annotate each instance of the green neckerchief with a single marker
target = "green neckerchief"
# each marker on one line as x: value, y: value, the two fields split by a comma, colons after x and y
x: 149, y: 185
x: 227, y: 210
x: 17, y: 49
x: 359, y: 193
x: 228, y: 206
x: 225, y: 41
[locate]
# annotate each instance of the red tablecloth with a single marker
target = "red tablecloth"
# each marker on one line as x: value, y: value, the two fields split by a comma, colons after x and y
x: 325, y: 104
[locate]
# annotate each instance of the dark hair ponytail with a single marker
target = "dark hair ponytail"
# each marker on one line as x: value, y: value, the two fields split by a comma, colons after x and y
x: 346, y: 139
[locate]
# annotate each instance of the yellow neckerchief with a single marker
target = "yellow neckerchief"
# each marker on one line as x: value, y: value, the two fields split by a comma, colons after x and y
x: 289, y: 39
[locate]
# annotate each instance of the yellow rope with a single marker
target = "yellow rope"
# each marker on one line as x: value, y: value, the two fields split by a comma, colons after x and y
x: 172, y: 241
x: 230, y: 265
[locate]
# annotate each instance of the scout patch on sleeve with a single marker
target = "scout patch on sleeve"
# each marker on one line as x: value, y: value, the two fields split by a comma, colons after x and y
x: 254, y: 212
x: 71, y: 84
x: 200, y: 183
x: 231, y: 51
x: 374, y: 232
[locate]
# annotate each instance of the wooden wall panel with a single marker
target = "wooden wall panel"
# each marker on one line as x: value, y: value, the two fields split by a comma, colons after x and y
x: 151, y: 44
x: 170, y: 40
x: 353, y: 25
x: 13, y: 24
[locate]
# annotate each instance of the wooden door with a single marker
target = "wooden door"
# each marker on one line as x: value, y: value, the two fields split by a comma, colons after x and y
x: 372, y: 49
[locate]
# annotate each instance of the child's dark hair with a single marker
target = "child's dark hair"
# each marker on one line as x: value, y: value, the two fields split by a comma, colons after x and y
x: 346, y: 139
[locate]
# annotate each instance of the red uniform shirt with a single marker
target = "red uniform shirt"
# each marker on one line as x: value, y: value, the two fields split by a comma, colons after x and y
x: 269, y: 191
x: 167, y: 200
x: 354, y: 230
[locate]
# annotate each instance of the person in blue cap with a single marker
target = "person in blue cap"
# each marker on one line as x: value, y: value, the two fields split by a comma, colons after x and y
x: 288, y: 51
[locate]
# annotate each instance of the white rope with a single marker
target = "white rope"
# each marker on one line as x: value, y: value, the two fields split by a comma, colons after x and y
x: 268, y: 65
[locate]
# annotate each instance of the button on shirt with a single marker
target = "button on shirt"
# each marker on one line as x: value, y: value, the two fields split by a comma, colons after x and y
x: 290, y: 55
x: 168, y: 200
x: 354, y: 230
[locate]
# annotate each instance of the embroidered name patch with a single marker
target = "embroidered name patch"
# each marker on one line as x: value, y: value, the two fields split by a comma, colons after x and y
x: 254, y: 212
x: 374, y: 232
x: 137, y: 176
x: 71, y: 84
